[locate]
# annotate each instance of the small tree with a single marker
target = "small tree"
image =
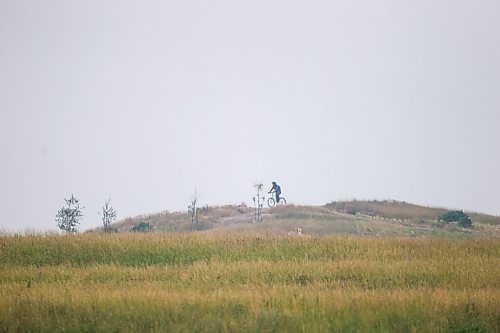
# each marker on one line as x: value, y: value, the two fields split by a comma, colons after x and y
x: 108, y: 216
x: 258, y: 202
x: 68, y: 217
x: 193, y: 210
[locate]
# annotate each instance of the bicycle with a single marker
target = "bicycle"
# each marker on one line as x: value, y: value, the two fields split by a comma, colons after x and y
x: 271, y: 202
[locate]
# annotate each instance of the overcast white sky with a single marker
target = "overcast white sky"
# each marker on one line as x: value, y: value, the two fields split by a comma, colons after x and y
x: 144, y: 101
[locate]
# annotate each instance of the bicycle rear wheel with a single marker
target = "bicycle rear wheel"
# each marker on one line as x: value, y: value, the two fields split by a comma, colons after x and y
x: 282, y: 200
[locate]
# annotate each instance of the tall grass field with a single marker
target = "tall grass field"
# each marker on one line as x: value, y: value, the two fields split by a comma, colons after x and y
x: 248, y: 283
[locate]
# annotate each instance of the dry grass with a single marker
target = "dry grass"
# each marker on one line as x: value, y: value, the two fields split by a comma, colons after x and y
x: 402, y: 210
x: 228, y: 283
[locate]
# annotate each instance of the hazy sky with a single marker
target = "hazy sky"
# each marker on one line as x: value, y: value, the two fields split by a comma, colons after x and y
x: 144, y: 101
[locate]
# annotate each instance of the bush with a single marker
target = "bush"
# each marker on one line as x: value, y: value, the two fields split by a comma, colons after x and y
x: 141, y: 227
x: 457, y: 216
x: 110, y: 230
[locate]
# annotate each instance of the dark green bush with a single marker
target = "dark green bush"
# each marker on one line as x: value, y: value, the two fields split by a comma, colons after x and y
x: 110, y: 230
x: 457, y: 216
x: 141, y: 227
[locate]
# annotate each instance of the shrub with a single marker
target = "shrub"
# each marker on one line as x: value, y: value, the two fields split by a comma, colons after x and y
x: 111, y: 230
x: 457, y: 216
x: 141, y: 227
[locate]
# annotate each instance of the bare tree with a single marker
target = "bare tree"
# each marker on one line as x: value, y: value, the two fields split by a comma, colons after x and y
x: 193, y: 210
x: 258, y: 202
x: 68, y: 217
x: 108, y: 216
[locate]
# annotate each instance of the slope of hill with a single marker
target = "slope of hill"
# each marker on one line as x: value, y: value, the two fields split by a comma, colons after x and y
x: 346, y: 217
x: 391, y: 209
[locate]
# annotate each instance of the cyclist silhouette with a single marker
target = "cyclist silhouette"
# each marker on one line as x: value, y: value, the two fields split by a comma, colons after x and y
x: 277, y: 190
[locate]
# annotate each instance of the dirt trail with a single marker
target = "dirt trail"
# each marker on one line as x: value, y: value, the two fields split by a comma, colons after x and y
x: 234, y: 221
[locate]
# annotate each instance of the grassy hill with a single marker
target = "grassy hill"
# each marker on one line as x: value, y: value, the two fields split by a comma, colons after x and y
x: 340, y: 217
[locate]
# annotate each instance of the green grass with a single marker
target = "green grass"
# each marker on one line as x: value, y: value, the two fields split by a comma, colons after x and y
x: 231, y: 283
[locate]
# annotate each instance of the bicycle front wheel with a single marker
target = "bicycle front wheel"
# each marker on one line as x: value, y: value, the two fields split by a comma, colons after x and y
x: 271, y: 202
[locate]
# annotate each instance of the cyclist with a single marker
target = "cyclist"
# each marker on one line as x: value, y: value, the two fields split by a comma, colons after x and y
x: 276, y: 189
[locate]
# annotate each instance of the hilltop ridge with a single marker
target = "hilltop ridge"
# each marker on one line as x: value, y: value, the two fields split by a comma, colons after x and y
x: 356, y: 217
